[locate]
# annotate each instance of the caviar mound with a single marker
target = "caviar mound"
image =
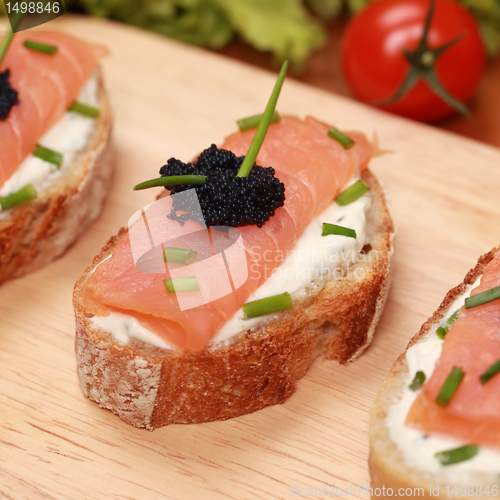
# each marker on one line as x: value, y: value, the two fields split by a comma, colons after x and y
x: 8, y: 96
x: 225, y: 200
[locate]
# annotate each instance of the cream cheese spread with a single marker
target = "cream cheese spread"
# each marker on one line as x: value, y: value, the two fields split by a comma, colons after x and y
x: 419, y: 450
x: 314, y: 260
x: 68, y: 136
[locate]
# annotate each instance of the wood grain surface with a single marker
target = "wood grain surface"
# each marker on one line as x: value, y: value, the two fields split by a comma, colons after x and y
x: 175, y: 100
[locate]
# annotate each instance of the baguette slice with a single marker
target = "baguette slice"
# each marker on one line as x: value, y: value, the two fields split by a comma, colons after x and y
x: 35, y: 233
x: 388, y: 466
x: 149, y: 387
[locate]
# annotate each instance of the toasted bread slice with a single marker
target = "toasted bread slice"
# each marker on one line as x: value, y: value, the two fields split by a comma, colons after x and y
x: 150, y: 387
x: 389, y: 466
x: 35, y: 233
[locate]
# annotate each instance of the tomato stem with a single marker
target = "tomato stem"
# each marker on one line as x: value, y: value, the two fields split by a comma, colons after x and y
x: 422, y: 67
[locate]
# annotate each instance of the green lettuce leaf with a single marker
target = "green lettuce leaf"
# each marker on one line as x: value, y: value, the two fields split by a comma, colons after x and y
x: 326, y: 9
x: 283, y: 27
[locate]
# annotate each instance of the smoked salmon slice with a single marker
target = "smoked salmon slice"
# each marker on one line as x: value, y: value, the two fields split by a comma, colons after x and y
x: 314, y: 169
x: 47, y: 85
x: 472, y: 344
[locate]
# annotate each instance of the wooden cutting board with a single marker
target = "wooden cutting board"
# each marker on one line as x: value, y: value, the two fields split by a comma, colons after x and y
x: 174, y: 100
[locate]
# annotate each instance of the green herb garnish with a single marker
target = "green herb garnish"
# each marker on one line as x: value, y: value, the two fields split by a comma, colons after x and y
x: 346, y: 142
x: 180, y: 285
x: 338, y: 230
x: 269, y: 305
x: 352, y: 193
x: 482, y: 298
x: 25, y: 194
x: 443, y: 329
x: 14, y: 23
x: 457, y: 455
x: 84, y: 110
x: 179, y: 255
x: 493, y: 370
x: 260, y: 134
x: 251, y: 122
x: 418, y: 381
x: 173, y: 180
x: 450, y: 386
x: 48, y: 155
x: 41, y: 47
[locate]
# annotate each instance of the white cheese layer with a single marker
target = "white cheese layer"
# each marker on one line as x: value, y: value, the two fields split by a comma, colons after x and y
x: 419, y: 450
x: 68, y: 136
x: 314, y: 260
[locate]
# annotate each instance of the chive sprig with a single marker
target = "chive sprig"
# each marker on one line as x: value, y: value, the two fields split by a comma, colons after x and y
x: 173, y: 180
x: 260, y: 134
x: 183, y: 256
x: 268, y: 305
x: 346, y: 142
x: 352, y: 193
x: 40, y: 47
x: 181, y: 285
x: 251, y: 122
x: 337, y: 230
x: 23, y: 195
x: 457, y: 455
x: 84, y: 110
x: 418, y: 381
x: 48, y: 155
x: 9, y: 35
x: 493, y: 370
x: 444, y: 328
x: 482, y: 298
x: 450, y: 386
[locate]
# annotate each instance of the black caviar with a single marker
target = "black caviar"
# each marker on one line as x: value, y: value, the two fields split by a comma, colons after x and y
x: 8, y: 96
x: 225, y: 200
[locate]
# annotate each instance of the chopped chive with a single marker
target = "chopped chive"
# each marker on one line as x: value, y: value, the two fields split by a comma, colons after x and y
x: 457, y: 455
x: 352, y: 193
x: 251, y: 122
x: 179, y: 255
x: 482, y: 298
x: 83, y: 109
x: 450, y: 386
x: 47, y: 154
x: 25, y: 194
x: 418, y: 381
x: 268, y: 305
x: 346, y: 142
x: 179, y: 285
x: 41, y: 47
x: 260, y: 134
x: 338, y: 230
x: 173, y: 180
x: 493, y: 370
x: 443, y: 329
x: 14, y: 23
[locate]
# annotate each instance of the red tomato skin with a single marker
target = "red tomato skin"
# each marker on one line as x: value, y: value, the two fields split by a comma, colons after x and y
x: 373, y: 62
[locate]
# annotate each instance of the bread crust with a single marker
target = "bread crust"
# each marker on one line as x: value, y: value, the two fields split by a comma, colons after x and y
x: 387, y: 464
x: 149, y: 387
x: 34, y: 234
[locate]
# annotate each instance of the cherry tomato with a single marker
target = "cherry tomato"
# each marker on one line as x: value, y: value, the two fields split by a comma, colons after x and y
x: 374, y: 63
